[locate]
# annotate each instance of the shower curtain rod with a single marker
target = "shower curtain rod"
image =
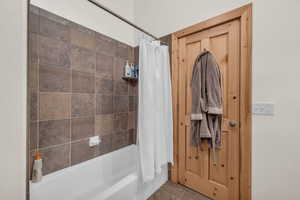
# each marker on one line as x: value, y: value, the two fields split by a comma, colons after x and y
x: 124, y: 20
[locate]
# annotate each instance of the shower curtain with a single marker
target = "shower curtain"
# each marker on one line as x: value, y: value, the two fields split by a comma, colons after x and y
x: 155, y: 123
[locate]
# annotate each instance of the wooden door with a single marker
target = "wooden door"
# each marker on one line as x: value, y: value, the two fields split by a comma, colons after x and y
x: 217, y: 180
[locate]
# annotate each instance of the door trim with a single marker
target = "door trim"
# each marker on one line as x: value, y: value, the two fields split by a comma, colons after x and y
x: 244, y: 14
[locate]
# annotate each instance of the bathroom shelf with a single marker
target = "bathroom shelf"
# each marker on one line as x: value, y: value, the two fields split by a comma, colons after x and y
x: 131, y: 79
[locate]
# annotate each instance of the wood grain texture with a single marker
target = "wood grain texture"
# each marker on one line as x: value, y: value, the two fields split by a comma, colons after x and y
x: 223, y: 18
x: 181, y: 108
x: 244, y: 15
x: 246, y: 102
x: 217, y: 180
x: 175, y: 73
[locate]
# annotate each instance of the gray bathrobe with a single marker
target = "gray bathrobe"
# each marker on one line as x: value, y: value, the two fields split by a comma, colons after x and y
x: 206, y: 115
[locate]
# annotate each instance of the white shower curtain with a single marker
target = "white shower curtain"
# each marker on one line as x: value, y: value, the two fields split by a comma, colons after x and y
x: 155, y: 123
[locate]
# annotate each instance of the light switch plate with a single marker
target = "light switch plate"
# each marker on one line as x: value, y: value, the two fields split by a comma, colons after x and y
x: 94, y: 141
x: 264, y: 109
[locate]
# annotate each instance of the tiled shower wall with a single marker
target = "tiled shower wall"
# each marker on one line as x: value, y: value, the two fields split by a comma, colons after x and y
x: 75, y: 91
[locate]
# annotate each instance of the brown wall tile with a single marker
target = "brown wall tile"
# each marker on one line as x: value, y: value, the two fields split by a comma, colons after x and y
x: 83, y: 128
x: 123, y: 51
x: 119, y: 68
x: 55, y: 158
x: 33, y: 135
x: 82, y: 37
x: 54, y: 132
x: 104, y: 124
x: 132, y: 103
x: 131, y: 56
x: 53, y: 53
x: 104, y: 86
x: 83, y: 59
x: 33, y: 103
x: 54, y: 106
x: 136, y: 55
x: 128, y: 139
x: 133, y: 89
x: 80, y: 151
x: 104, y: 104
x: 53, y: 29
x: 132, y: 136
x: 33, y: 48
x: 83, y: 82
x: 105, y: 45
x: 121, y: 104
x: 105, y: 145
x: 135, y: 120
x: 83, y: 105
x: 104, y: 66
x: 121, y: 122
x: 53, y: 17
x: 132, y: 118
x: 119, y: 140
x: 33, y: 22
x: 33, y: 76
x: 120, y: 87
x: 53, y: 79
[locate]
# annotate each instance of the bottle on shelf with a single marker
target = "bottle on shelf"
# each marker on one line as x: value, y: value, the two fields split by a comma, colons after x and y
x: 37, y: 174
x: 132, y: 71
x: 127, y: 70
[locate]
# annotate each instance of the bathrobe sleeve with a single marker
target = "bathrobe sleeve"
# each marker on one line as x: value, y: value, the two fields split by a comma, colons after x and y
x: 196, y: 112
x: 214, y: 87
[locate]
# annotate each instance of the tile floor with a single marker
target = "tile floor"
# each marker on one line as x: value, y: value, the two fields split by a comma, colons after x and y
x: 171, y: 191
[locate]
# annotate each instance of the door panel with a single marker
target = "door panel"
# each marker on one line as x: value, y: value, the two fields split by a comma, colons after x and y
x: 214, y: 176
x: 192, y: 153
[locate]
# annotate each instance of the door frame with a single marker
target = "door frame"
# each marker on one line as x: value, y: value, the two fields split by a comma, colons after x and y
x: 244, y: 14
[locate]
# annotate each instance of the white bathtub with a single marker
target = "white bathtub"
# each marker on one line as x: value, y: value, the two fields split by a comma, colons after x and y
x: 113, y: 176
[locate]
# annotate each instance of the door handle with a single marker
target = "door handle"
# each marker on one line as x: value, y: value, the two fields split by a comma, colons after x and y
x: 233, y: 123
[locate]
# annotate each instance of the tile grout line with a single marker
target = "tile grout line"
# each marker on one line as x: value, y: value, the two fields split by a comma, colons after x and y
x: 65, y: 143
x: 95, y: 97
x: 78, y: 117
x: 70, y: 105
x: 79, y: 93
x: 128, y: 87
x: 38, y: 84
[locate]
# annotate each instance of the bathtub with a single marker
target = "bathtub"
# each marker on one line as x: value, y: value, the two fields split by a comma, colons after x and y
x: 113, y: 176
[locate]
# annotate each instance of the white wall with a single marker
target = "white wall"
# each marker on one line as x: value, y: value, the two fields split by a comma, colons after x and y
x: 90, y: 16
x: 276, y: 71
x: 163, y: 17
x: 13, y: 23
